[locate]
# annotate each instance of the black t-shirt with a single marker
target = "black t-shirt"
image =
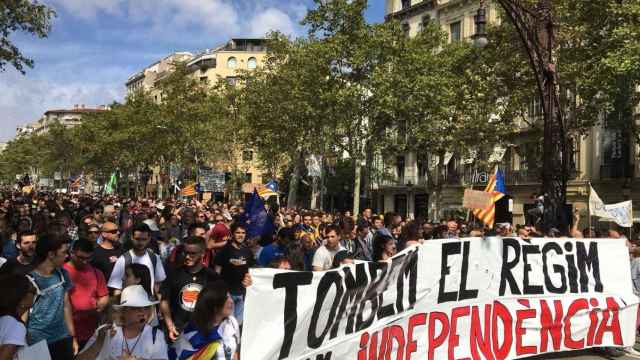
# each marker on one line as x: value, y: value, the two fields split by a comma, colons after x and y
x: 13, y: 266
x: 104, y: 259
x: 181, y: 289
x: 235, y: 263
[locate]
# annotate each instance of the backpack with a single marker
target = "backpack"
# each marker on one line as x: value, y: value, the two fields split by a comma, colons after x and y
x: 40, y: 292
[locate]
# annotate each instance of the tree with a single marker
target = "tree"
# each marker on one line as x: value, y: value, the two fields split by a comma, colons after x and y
x: 21, y: 15
x: 281, y: 106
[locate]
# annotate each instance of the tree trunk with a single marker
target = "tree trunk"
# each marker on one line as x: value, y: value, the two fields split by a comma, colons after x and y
x: 292, y: 199
x: 356, y: 187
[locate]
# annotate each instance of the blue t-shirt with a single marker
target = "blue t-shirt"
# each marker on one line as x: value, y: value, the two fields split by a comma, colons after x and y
x: 271, y: 252
x: 46, y: 320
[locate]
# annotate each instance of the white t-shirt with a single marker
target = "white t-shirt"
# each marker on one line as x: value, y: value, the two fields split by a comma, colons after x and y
x: 230, y: 333
x: 145, y: 349
x: 157, y: 274
x: 323, y: 258
x: 12, y: 331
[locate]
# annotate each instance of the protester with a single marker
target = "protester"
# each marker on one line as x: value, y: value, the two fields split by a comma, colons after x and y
x: 108, y: 250
x: 183, y: 284
x: 277, y: 248
x: 18, y: 294
x: 138, y: 274
x: 384, y: 247
x: 24, y: 263
x: 233, y: 263
x: 133, y: 338
x: 89, y: 296
x: 139, y: 254
x: 323, y: 257
x: 213, y: 329
x: 51, y: 318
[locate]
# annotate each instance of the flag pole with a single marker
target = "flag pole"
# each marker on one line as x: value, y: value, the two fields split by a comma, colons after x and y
x: 589, y: 208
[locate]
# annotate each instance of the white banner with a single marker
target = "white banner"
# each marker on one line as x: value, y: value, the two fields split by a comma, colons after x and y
x: 494, y: 298
x: 621, y: 213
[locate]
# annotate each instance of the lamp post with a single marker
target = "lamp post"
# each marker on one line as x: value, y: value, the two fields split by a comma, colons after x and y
x: 536, y: 29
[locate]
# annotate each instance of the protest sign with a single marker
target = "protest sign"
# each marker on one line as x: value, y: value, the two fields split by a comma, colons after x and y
x: 493, y: 298
x: 621, y: 213
x: 474, y: 199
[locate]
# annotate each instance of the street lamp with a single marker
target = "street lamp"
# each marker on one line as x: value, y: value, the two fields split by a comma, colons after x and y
x: 537, y: 32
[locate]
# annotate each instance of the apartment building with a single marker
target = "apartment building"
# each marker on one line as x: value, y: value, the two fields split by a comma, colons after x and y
x: 603, y: 157
x: 147, y: 78
x: 221, y: 63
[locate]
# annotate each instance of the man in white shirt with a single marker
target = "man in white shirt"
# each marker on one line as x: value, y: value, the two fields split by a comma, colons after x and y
x: 323, y: 258
x: 139, y: 254
x: 134, y: 338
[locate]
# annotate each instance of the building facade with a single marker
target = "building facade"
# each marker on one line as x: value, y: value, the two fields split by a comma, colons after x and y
x: 222, y: 63
x: 425, y: 186
x: 146, y: 79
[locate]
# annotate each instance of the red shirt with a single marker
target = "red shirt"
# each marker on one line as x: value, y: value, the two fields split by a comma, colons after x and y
x: 88, y: 285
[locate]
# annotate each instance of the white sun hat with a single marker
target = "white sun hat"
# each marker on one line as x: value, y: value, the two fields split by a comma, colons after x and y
x: 134, y: 296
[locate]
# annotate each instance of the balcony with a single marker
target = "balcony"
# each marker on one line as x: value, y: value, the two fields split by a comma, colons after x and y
x: 403, y: 181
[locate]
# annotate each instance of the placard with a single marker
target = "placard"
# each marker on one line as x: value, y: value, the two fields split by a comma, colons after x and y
x: 472, y: 298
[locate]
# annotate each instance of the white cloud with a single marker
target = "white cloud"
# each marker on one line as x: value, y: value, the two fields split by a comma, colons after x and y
x: 271, y: 19
x: 24, y: 99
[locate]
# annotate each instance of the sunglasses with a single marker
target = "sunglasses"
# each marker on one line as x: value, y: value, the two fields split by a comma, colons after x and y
x: 111, y: 231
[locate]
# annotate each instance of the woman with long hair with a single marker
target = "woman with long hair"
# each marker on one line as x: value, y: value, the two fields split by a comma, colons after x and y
x: 384, y: 247
x: 213, y: 333
x: 18, y: 294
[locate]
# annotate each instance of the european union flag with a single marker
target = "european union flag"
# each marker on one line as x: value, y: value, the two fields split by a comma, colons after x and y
x: 258, y: 221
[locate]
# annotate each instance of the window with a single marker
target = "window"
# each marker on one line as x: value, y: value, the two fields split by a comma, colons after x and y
x: 425, y: 22
x: 252, y: 63
x: 204, y: 80
x: 232, y: 63
x: 406, y: 4
x: 400, y: 168
x: 247, y: 155
x: 455, y: 31
x: 405, y: 29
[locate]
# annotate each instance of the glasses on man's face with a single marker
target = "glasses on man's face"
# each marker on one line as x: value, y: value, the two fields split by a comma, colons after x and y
x: 94, y: 232
x: 83, y: 258
x: 192, y: 253
x: 111, y: 231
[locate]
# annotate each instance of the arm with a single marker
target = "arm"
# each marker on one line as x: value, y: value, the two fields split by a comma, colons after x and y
x: 68, y: 320
x: 8, y: 351
x: 168, y: 320
x: 102, y: 303
x: 92, y: 352
x: 219, y: 245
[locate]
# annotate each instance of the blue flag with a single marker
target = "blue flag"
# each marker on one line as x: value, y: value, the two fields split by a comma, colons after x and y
x: 258, y: 221
x: 500, y: 186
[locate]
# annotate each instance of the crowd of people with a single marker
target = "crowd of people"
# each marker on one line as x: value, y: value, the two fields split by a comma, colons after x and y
x: 111, y: 278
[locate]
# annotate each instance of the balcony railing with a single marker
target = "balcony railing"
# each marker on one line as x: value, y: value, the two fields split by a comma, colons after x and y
x: 403, y: 181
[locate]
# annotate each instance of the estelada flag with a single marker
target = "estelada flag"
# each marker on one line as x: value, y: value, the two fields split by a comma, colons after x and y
x: 497, y: 189
x: 189, y: 190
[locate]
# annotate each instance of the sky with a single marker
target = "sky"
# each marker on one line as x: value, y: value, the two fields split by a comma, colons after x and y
x: 95, y: 45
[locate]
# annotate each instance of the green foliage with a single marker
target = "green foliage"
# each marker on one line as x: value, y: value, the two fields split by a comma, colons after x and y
x: 27, y: 16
